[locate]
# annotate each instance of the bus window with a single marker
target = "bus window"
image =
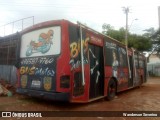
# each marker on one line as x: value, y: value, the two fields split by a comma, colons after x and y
x: 41, y: 42
x: 111, y: 58
x: 136, y: 60
x: 141, y: 65
x: 122, y: 57
x: 111, y: 53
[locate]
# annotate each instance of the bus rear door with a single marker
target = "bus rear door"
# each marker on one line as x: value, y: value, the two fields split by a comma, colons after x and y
x: 96, y: 61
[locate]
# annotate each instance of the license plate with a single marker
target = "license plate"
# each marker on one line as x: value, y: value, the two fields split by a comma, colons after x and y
x: 36, y: 83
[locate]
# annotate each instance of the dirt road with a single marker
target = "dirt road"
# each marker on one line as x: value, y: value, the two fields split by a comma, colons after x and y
x: 145, y: 98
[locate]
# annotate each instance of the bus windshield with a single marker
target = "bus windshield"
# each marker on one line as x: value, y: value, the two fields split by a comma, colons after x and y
x: 41, y: 42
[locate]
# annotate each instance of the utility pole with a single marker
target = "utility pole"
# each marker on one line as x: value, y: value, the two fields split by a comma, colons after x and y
x: 159, y: 15
x: 126, y: 11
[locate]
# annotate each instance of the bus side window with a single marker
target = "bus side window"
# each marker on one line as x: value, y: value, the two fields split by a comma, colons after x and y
x: 141, y: 61
x: 122, y: 57
x: 136, y: 60
x: 111, y: 53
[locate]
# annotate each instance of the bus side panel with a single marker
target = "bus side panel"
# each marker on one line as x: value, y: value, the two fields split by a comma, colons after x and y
x: 123, y: 79
x: 141, y: 69
x: 79, y: 86
x: 63, y: 68
x: 145, y: 69
x: 108, y: 75
x: 116, y: 66
x: 136, y: 80
x: 123, y: 69
x: 80, y: 92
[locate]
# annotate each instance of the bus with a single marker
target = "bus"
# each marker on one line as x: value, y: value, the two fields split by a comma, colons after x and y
x: 63, y: 61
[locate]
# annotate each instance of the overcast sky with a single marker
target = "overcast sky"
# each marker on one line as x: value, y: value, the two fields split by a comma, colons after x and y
x: 92, y: 12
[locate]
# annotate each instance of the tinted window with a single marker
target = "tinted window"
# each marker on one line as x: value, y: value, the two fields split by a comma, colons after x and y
x: 41, y: 42
x: 110, y: 53
x: 122, y: 55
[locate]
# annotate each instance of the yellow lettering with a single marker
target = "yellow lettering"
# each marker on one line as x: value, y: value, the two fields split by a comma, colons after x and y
x: 86, y: 44
x: 25, y: 70
x: 74, y: 50
x: 76, y: 47
x: 22, y: 70
x: 31, y: 72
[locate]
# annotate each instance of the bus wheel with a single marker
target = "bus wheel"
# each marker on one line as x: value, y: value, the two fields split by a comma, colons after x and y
x: 111, y: 90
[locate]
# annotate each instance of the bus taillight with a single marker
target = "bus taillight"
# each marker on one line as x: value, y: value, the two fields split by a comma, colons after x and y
x: 65, y: 81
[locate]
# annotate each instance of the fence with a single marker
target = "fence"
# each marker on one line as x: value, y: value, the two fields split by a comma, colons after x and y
x: 16, y: 26
x: 8, y: 73
x: 153, y: 69
x: 8, y: 56
x: 9, y: 45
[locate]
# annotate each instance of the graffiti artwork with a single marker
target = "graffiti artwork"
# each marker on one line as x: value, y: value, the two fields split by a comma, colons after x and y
x: 24, y: 81
x: 47, y: 83
x: 42, y: 60
x: 96, y: 71
x: 41, y: 42
x: 93, y: 69
x: 75, y: 61
x: 115, y: 64
x: 75, y: 57
x: 118, y: 61
x: 27, y: 70
x: 75, y: 47
x: 43, y: 45
x: 44, y: 71
x: 111, y: 49
x: 76, y: 64
x: 122, y: 76
x: 38, y: 72
x: 75, y: 53
x: 38, y: 66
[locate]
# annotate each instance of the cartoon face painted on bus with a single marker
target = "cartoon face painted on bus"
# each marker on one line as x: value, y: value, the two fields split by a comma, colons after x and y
x: 43, y: 45
x: 114, y: 65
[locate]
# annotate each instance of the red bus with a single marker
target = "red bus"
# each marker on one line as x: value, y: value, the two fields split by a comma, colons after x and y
x: 63, y: 61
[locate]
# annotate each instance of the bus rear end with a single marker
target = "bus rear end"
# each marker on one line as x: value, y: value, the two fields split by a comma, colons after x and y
x: 40, y: 53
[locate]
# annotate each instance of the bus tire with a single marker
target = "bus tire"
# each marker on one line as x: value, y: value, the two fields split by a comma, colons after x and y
x: 111, y: 89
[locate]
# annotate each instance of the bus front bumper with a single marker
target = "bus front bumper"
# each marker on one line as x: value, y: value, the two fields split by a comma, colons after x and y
x: 56, y: 96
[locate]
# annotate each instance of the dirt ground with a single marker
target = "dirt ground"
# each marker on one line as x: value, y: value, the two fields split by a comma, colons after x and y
x: 145, y: 98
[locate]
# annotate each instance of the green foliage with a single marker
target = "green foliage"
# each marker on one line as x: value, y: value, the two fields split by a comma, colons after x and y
x: 155, y: 38
x: 139, y: 42
x: 117, y: 34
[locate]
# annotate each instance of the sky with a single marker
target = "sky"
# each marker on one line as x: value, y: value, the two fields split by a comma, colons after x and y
x: 94, y: 13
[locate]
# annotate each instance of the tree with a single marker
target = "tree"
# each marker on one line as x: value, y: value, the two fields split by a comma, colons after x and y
x: 135, y: 41
x: 155, y: 38
x: 106, y: 27
x: 149, y: 32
